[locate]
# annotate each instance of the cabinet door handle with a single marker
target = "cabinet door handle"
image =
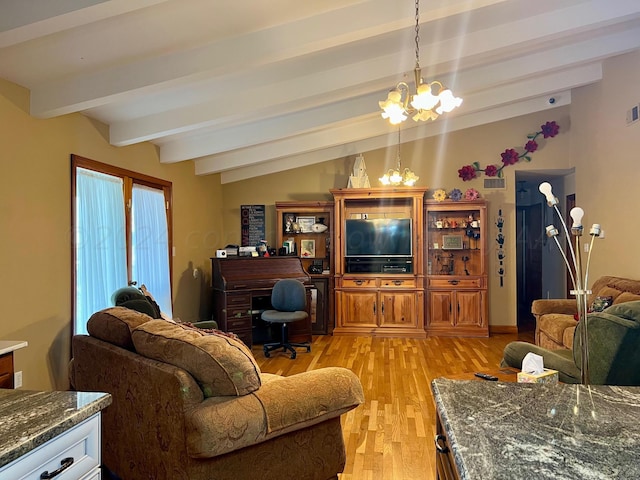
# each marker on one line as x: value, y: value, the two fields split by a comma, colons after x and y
x: 454, y: 282
x: 383, y: 308
x: 398, y: 282
x: 358, y: 282
x: 441, y: 444
x: 64, y: 464
x: 374, y: 308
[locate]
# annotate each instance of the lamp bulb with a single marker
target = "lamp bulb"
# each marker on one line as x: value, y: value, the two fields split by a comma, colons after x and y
x: 545, y: 189
x: 576, y: 214
x: 552, y: 231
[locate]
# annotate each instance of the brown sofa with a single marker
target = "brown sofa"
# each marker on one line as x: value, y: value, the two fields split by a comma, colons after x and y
x: 193, y: 404
x: 555, y: 321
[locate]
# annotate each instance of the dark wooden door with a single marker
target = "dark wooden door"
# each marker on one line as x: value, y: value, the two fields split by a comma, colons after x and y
x: 530, y: 238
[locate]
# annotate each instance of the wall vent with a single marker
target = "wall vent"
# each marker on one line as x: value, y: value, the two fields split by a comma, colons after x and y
x: 495, y: 184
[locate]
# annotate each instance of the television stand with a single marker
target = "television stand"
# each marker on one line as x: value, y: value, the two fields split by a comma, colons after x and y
x: 379, y: 265
x: 379, y: 292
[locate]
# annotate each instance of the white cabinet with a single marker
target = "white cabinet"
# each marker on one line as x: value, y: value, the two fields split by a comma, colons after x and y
x: 78, y: 447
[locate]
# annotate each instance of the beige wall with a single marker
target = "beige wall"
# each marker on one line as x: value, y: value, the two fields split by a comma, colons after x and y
x: 606, y: 152
x: 35, y: 221
x: 35, y: 202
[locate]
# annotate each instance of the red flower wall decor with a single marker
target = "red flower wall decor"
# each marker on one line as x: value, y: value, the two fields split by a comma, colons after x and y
x: 510, y: 156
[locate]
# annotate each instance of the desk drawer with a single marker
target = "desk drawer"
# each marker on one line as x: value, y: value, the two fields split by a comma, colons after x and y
x: 235, y: 300
x: 80, y: 443
x: 236, y: 324
x: 238, y: 312
x: 359, y: 282
x: 454, y: 282
x: 398, y: 282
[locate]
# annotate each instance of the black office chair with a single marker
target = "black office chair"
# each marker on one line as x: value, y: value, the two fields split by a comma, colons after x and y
x: 289, y: 300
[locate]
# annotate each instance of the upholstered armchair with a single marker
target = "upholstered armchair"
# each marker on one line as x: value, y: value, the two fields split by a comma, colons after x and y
x: 191, y: 404
x: 614, y: 349
x: 555, y: 318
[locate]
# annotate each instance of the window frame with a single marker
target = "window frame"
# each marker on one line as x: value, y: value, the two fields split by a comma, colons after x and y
x: 129, y: 178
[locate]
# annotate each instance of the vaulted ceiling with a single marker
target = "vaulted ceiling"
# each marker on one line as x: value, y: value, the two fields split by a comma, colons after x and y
x: 246, y: 89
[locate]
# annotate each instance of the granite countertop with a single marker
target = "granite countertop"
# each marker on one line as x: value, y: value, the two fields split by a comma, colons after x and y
x: 29, y: 419
x: 523, y: 431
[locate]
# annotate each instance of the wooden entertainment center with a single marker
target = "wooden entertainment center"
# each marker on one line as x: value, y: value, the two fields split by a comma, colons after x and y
x: 437, y: 287
x: 379, y: 295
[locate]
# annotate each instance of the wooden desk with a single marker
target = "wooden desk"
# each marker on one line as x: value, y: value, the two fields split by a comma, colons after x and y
x: 242, y: 290
x: 7, y: 347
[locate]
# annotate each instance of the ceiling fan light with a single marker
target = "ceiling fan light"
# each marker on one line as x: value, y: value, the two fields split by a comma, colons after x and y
x: 425, y: 115
x: 394, y: 97
x: 409, y: 178
x: 392, y: 108
x: 395, y: 178
x: 424, y: 99
x: 384, y: 180
x: 447, y: 101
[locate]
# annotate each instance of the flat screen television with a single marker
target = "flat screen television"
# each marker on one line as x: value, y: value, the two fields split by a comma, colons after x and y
x: 378, y: 237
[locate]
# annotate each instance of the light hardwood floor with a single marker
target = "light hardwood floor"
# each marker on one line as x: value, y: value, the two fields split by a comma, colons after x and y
x: 390, y: 436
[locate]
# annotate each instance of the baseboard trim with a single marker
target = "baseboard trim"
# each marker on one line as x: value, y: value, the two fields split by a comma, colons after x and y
x: 503, y: 329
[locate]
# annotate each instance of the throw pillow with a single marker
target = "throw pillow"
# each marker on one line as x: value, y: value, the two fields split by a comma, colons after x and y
x: 600, y: 303
x: 220, y: 364
x: 627, y: 310
x: 626, y: 297
x: 114, y: 325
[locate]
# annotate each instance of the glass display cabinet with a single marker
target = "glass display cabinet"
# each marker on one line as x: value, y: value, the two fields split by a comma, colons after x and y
x: 456, y: 268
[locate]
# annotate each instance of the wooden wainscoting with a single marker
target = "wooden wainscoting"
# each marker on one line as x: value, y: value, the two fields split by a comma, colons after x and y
x: 390, y: 436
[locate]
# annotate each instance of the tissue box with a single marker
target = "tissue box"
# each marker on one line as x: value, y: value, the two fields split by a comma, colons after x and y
x: 548, y: 376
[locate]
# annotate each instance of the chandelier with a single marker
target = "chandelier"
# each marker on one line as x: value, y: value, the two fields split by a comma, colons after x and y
x: 430, y: 100
x: 397, y: 176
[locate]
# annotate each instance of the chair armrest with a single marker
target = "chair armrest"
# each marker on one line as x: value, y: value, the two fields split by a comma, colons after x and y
x: 554, y: 305
x: 324, y: 393
x: 281, y: 405
x: 560, y: 360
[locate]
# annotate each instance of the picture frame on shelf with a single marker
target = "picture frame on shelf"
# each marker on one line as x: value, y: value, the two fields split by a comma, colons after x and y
x: 307, y: 248
x: 452, y: 242
x: 305, y: 223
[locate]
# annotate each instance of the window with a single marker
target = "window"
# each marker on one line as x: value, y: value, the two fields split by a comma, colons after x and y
x: 122, y: 234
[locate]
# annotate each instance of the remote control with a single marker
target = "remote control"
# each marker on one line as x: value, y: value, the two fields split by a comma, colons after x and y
x: 486, y: 376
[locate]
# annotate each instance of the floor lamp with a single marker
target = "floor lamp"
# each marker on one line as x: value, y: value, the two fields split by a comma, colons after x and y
x: 579, y: 277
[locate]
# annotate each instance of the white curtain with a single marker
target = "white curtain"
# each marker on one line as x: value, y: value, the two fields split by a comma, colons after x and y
x: 101, y: 262
x: 150, y: 244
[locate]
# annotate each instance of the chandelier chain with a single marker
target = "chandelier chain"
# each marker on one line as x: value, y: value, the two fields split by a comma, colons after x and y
x: 398, y: 159
x: 417, y: 33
